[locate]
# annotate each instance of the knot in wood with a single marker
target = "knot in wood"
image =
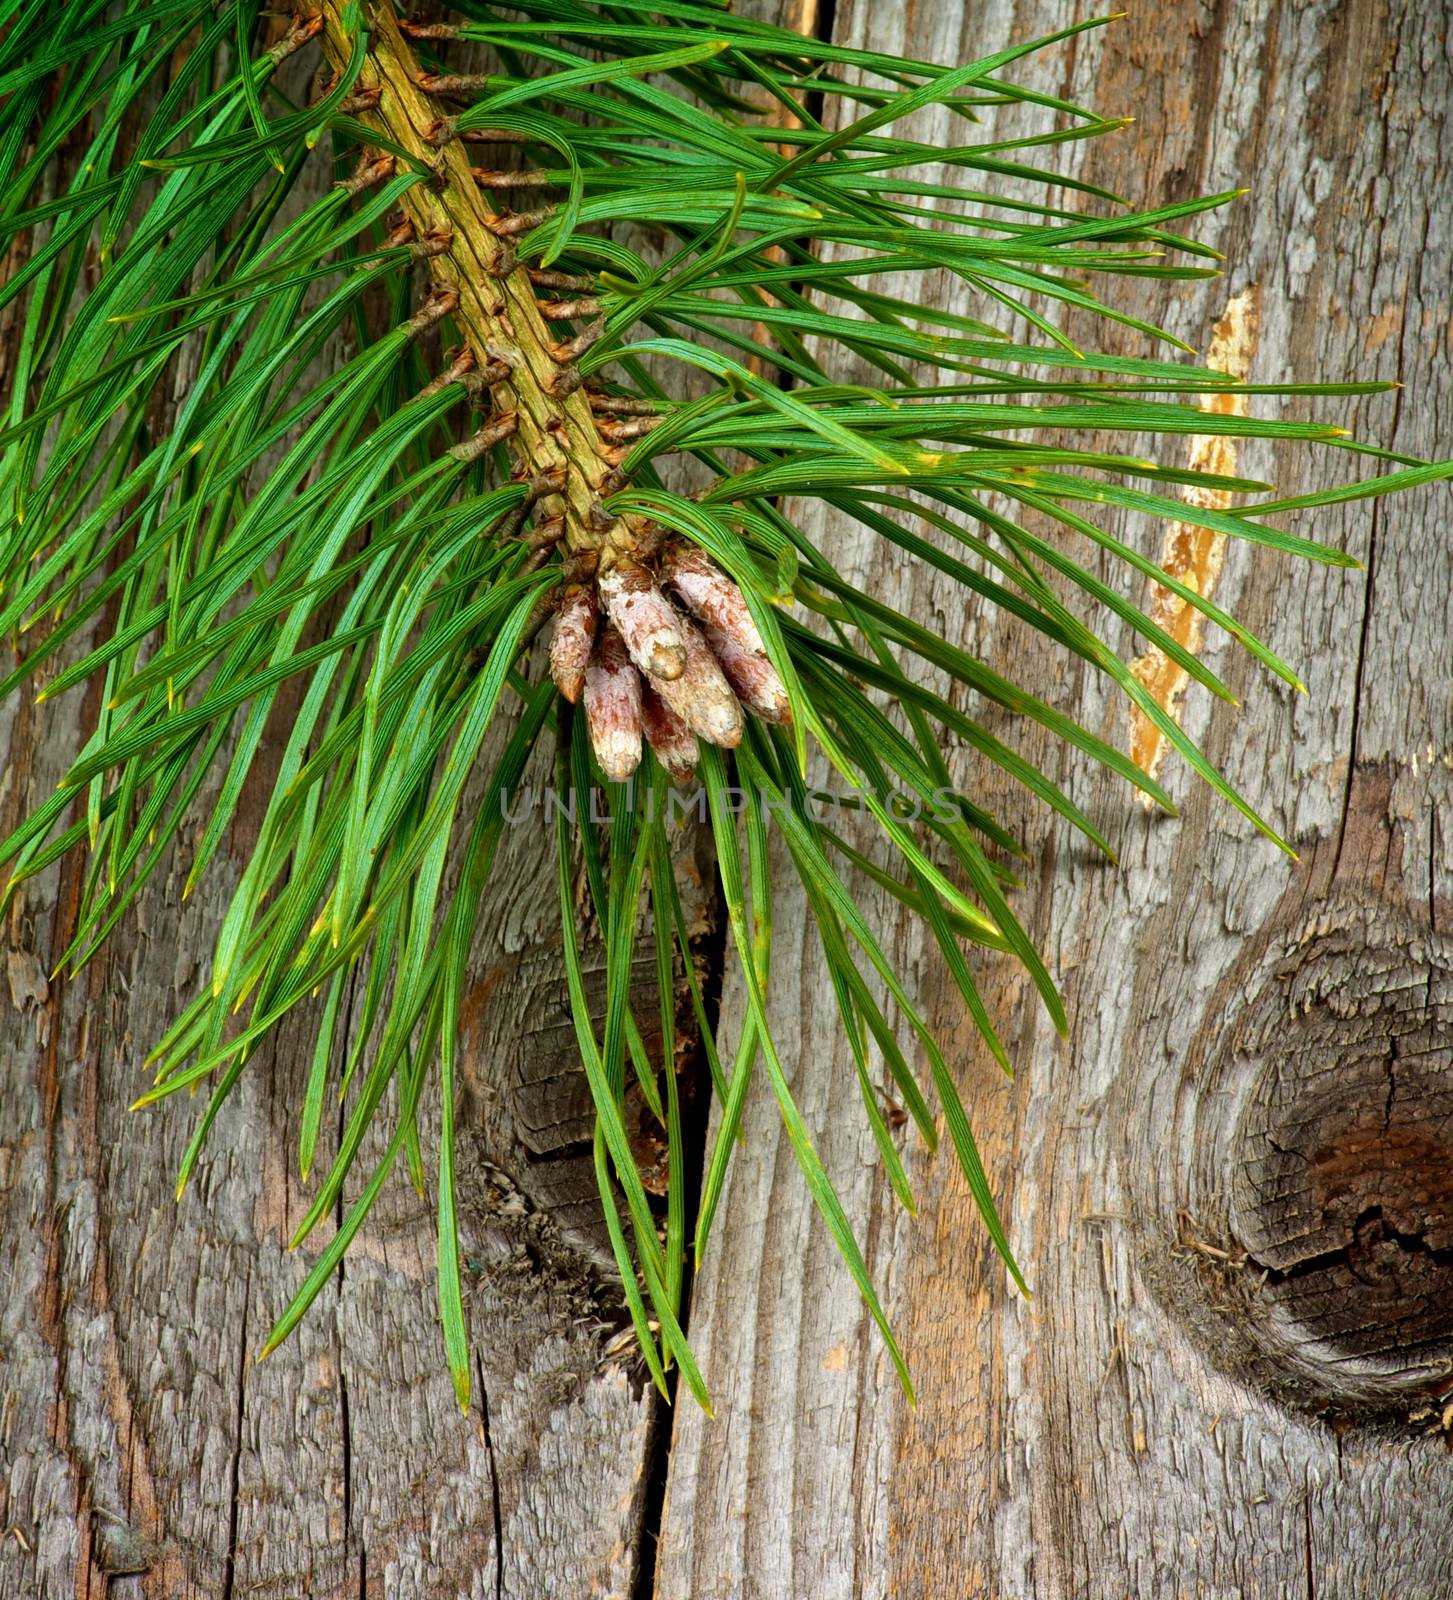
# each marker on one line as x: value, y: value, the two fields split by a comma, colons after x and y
x: 1341, y: 1193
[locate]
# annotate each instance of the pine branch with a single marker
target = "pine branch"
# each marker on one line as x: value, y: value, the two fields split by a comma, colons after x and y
x: 344, y: 532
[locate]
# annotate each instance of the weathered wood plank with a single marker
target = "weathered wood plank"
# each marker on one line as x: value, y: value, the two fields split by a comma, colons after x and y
x: 1084, y: 1445
x: 142, y: 1450
x: 139, y: 1436
x: 1111, y: 1437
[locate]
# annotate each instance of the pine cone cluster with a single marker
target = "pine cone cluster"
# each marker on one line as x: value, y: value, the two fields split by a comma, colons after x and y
x: 667, y: 651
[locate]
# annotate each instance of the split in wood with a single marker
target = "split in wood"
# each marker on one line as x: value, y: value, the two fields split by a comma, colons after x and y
x: 651, y: 669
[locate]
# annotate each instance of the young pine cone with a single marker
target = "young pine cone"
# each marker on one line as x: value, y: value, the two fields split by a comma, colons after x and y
x: 613, y: 707
x: 573, y: 640
x: 650, y: 669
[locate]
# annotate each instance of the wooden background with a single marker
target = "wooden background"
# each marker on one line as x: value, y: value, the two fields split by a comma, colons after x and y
x: 1230, y: 1188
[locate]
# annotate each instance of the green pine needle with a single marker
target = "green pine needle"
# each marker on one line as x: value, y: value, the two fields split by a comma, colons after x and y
x: 303, y: 521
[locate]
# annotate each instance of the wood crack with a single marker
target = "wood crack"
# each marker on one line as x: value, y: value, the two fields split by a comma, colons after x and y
x: 494, y: 1490
x: 1359, y: 683
x: 235, y: 1472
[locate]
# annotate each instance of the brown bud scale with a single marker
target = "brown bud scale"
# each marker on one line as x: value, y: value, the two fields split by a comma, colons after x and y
x: 567, y: 310
x: 427, y: 30
x: 361, y: 100
x: 302, y: 31
x: 624, y: 432
x: 442, y: 304
x: 576, y: 282
x: 572, y: 349
x: 458, y: 370
x: 507, y: 227
x: 453, y: 85
x: 528, y: 178
x: 495, y: 431
x: 622, y: 405
x: 368, y: 174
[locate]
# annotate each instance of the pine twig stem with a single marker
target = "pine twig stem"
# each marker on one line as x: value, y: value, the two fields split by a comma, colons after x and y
x: 553, y: 426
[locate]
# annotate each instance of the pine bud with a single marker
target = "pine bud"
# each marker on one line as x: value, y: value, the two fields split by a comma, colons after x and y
x: 613, y: 707
x: 753, y: 678
x: 674, y: 743
x: 711, y: 595
x: 701, y: 696
x: 571, y: 643
x: 647, y: 621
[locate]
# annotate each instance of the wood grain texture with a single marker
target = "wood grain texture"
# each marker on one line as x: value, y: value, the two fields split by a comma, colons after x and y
x: 142, y: 1446
x: 1123, y: 1433
x: 143, y: 1452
